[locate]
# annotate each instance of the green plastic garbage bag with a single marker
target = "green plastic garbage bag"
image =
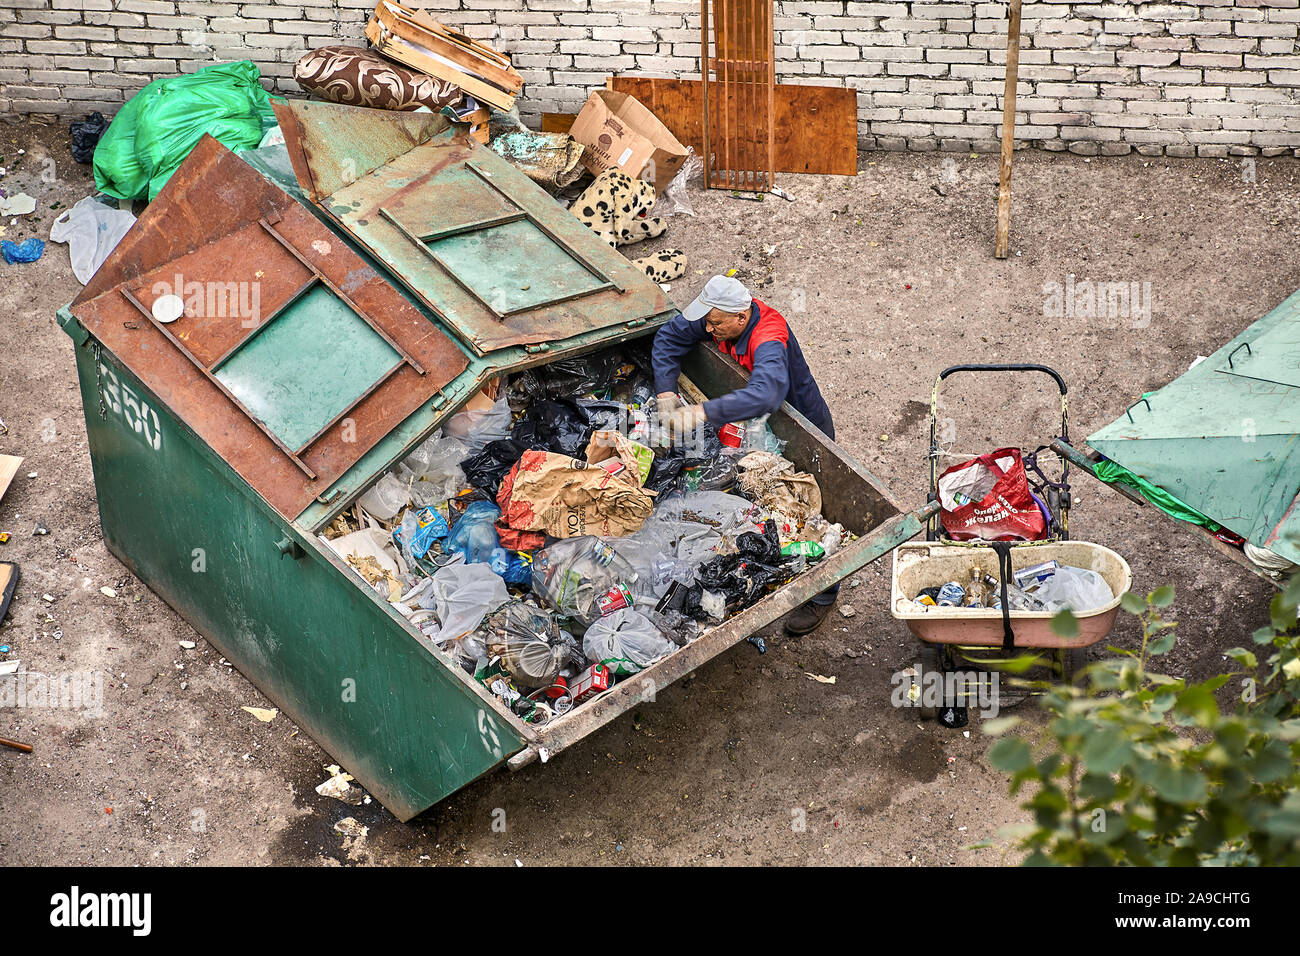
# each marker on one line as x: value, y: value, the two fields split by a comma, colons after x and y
x: 1115, y: 473
x: 156, y: 129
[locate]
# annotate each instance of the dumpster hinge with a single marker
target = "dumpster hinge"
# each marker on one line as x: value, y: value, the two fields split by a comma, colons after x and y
x: 442, y: 398
x: 287, y: 546
x: 538, y: 348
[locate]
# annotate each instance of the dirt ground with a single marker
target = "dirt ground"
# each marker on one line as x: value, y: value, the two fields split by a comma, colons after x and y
x: 887, y: 278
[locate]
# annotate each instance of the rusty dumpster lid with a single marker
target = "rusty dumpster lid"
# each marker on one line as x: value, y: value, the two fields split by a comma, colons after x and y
x: 491, y: 253
x: 262, y: 331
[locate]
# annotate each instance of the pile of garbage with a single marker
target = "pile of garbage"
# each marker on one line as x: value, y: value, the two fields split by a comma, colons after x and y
x: 552, y: 538
x: 1049, y: 586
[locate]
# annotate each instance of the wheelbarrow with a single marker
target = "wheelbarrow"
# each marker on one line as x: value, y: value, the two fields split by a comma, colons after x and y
x: 981, y: 642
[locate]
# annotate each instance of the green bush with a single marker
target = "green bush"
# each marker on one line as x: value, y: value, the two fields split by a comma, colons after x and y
x: 1139, y: 768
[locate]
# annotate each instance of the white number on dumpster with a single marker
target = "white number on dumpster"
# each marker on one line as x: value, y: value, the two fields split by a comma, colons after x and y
x: 134, y: 410
x: 489, y: 735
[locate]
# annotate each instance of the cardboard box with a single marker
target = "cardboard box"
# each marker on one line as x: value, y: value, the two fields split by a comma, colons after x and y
x: 618, y: 131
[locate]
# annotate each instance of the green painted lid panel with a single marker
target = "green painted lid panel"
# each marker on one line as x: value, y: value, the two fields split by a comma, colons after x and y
x: 1272, y: 357
x: 488, y: 262
x: 307, y: 365
x: 478, y: 243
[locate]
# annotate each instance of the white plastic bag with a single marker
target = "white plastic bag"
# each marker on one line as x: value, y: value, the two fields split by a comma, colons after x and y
x: 1076, y: 589
x: 625, y: 642
x: 477, y: 427
x: 385, y: 498
x: 463, y: 595
x: 92, y: 230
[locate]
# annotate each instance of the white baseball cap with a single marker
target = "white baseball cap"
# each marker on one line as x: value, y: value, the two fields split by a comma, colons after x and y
x: 720, y: 292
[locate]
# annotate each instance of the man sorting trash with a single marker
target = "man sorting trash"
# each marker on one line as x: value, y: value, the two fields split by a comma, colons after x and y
x: 762, y: 342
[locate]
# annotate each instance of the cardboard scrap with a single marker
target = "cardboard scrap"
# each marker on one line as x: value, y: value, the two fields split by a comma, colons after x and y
x: 617, y: 130
x: 8, y: 468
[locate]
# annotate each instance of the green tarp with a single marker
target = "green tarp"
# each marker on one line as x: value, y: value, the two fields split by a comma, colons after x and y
x: 1223, y: 439
x: 156, y: 129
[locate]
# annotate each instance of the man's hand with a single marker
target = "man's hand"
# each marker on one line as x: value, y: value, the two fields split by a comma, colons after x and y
x: 684, y: 421
x: 666, y: 403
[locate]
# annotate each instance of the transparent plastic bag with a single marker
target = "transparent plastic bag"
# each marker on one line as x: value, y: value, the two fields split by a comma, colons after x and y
x: 676, y: 197
x: 386, y: 497
x: 527, y: 640
x: 625, y: 642
x: 434, y: 469
x: 722, y: 512
x: 463, y: 595
x: 583, y: 578
x: 476, y: 427
x: 1076, y: 589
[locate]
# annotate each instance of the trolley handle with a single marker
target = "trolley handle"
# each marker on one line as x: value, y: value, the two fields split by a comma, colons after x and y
x: 1006, y: 368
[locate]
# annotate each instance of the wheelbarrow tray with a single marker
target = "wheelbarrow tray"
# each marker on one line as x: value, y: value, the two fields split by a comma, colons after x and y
x: 923, y: 564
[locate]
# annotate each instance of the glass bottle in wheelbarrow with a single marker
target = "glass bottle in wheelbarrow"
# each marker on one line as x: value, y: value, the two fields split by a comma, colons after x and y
x: 998, y: 561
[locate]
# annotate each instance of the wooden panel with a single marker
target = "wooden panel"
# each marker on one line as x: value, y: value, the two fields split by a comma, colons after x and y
x: 816, y: 127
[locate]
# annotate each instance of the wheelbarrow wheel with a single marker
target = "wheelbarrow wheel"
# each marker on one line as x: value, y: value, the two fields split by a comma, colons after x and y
x: 1072, y: 661
x: 952, y: 714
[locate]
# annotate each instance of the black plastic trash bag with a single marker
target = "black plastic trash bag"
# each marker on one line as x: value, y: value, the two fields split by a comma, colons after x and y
x: 564, y: 426
x: 743, y: 577
x: 485, y: 470
x: 85, y: 136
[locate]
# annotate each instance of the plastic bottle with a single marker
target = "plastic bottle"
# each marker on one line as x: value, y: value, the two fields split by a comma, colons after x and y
x: 583, y: 578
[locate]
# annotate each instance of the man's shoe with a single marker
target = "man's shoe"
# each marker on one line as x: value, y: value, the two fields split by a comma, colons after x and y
x: 806, y: 617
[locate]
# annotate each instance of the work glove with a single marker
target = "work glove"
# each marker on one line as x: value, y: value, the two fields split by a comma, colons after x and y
x: 683, y: 422
x: 666, y: 403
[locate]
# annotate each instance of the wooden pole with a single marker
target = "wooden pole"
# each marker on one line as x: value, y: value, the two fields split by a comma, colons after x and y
x: 1008, y: 131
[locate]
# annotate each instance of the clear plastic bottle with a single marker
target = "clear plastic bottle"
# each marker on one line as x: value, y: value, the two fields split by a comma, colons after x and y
x: 583, y: 578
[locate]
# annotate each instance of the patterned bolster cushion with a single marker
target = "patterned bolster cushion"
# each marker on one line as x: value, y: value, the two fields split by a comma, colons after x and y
x: 357, y: 77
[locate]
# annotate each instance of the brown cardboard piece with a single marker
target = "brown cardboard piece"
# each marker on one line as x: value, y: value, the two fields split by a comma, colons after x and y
x: 617, y: 130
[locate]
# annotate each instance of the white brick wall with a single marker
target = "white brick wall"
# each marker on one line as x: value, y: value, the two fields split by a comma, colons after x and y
x: 1184, y: 78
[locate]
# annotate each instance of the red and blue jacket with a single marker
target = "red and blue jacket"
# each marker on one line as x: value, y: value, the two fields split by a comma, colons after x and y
x: 767, y: 348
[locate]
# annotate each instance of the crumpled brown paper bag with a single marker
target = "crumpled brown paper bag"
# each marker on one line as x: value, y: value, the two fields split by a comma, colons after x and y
x: 567, y: 497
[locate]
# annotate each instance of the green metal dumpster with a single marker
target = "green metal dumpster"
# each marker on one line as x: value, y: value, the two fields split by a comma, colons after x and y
x: 323, y: 332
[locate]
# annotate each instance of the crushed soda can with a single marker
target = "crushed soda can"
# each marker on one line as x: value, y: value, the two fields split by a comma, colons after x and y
x: 615, y: 599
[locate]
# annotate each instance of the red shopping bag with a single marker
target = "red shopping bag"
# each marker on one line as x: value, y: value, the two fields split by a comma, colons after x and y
x: 988, y: 498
